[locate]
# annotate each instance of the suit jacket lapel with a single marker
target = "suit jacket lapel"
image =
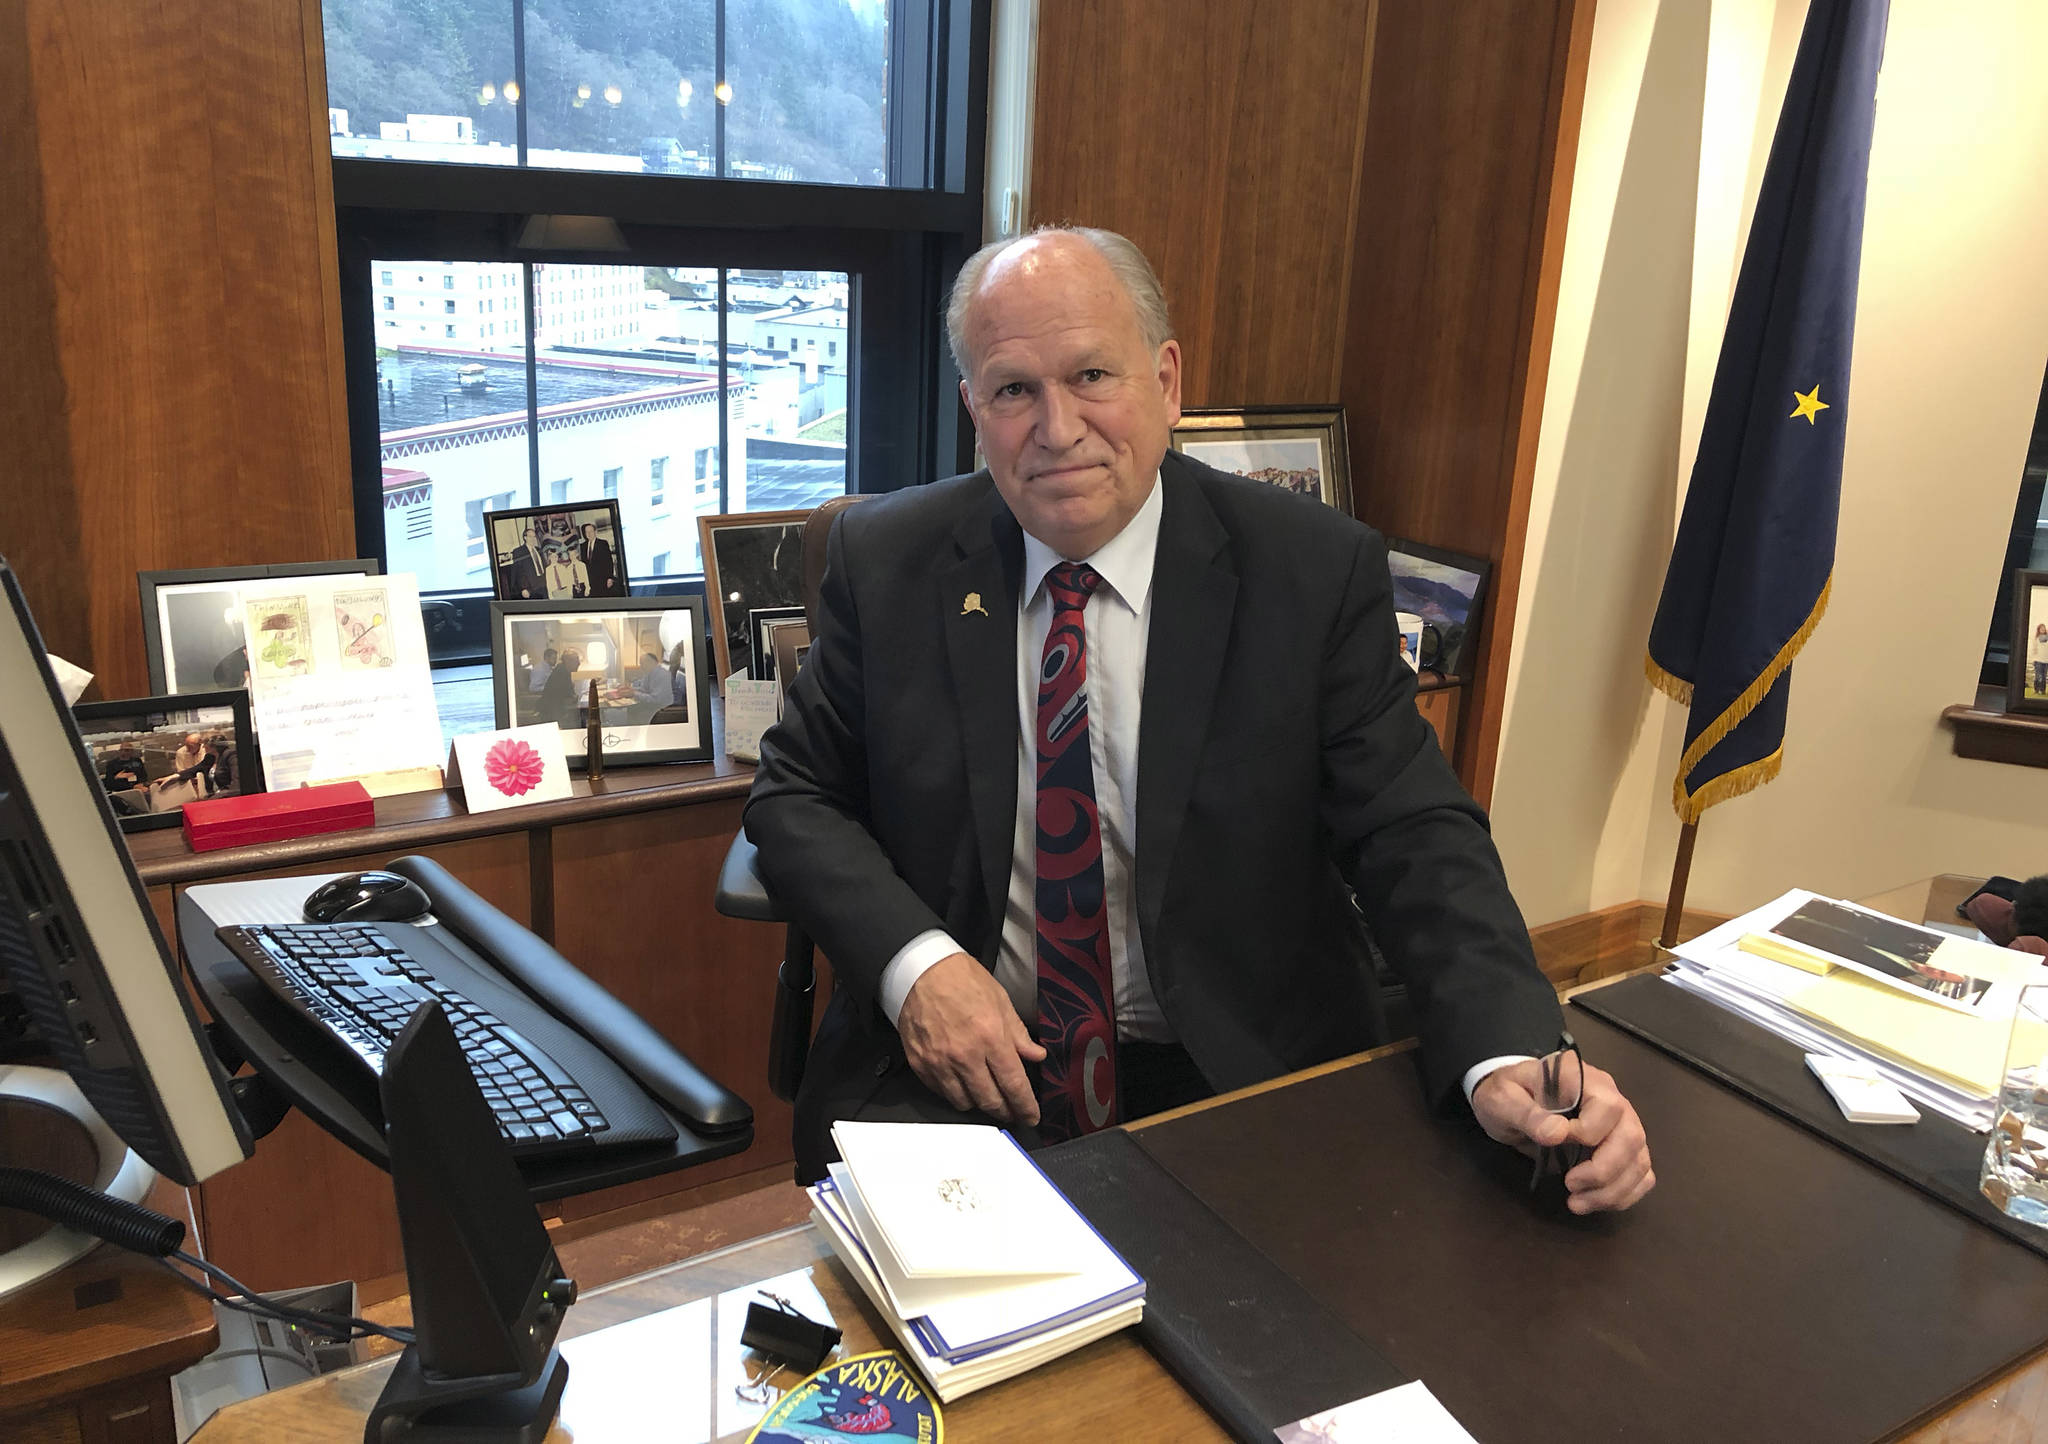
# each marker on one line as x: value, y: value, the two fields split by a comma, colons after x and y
x: 977, y: 596
x: 1194, y: 591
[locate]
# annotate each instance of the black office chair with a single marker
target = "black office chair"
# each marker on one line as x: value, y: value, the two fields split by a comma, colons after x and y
x: 744, y: 893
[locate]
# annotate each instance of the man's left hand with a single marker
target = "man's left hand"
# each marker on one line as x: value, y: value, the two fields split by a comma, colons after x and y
x: 1617, y: 1171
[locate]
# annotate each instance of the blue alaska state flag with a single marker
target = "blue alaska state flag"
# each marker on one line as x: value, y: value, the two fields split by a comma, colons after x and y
x: 1755, y: 551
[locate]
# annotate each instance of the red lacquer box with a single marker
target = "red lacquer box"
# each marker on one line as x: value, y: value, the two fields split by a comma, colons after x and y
x: 271, y: 816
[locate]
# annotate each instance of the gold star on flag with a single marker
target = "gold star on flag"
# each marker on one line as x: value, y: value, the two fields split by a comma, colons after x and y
x: 1809, y: 403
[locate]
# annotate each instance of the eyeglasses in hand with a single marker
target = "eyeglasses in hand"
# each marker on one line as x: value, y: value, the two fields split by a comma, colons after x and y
x: 1562, y: 1089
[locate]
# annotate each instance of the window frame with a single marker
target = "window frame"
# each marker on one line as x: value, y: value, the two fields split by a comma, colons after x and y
x: 900, y: 246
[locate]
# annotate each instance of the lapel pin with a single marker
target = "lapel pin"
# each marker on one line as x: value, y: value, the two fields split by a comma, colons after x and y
x: 972, y: 603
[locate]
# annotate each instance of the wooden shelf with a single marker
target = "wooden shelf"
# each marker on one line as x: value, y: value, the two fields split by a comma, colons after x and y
x: 1987, y: 732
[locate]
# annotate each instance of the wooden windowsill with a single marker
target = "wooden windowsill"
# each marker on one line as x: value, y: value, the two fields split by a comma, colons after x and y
x: 1987, y: 732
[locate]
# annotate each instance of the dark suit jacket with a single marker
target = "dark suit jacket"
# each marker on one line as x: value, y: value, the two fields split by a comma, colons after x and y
x: 597, y: 561
x: 1280, y: 757
x: 526, y: 574
x: 558, y: 698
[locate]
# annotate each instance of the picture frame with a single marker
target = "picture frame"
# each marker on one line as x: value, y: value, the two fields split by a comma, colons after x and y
x: 1301, y: 448
x: 2026, y: 672
x: 568, y: 559
x: 751, y: 559
x: 138, y: 747
x: 192, y: 623
x: 764, y: 622
x: 792, y: 646
x: 1447, y: 590
x: 650, y: 715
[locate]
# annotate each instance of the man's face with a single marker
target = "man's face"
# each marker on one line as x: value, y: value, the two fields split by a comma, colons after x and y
x: 1073, y: 410
x: 529, y: 536
x: 589, y: 532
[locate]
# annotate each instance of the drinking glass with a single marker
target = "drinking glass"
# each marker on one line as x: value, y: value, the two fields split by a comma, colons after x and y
x: 2015, y: 1173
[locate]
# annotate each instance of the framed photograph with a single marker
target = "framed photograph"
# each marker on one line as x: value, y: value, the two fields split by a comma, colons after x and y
x: 155, y: 754
x: 763, y: 622
x: 1299, y: 447
x: 2026, y: 677
x: 560, y: 553
x: 751, y: 559
x: 792, y: 643
x: 194, y: 631
x: 646, y: 655
x: 1447, y: 590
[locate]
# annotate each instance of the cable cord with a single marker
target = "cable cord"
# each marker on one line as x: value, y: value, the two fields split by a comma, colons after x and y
x: 145, y: 1231
x: 342, y: 1327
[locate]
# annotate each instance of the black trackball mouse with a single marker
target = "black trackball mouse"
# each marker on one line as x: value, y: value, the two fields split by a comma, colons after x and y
x: 367, y: 897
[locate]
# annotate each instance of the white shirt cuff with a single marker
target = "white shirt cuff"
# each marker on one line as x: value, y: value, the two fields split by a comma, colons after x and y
x: 1474, y: 1076
x: 914, y: 959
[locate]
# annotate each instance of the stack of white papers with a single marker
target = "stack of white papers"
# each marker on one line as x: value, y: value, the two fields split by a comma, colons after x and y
x: 981, y: 1267
x: 1942, y: 1052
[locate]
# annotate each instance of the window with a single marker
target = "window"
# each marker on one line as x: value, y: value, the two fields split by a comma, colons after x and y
x: 387, y: 278
x: 390, y: 302
x: 449, y: 331
x: 476, y: 552
x: 832, y: 349
x: 754, y: 159
x: 449, y: 307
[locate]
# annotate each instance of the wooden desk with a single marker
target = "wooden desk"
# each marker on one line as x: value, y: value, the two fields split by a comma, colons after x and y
x: 680, y: 1357
x: 88, y: 1353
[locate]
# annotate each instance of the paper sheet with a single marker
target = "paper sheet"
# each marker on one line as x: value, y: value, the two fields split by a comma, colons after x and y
x: 1409, y: 1414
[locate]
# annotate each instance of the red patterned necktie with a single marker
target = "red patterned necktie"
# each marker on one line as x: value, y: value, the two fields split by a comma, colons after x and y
x: 1076, y: 1013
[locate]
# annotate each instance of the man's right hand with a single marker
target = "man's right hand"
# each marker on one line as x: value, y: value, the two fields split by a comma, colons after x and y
x: 965, y: 1041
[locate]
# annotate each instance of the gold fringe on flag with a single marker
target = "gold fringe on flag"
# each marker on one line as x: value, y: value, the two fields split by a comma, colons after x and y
x: 1751, y: 775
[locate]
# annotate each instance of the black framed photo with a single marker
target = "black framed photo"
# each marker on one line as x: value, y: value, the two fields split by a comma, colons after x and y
x: 153, y: 755
x: 1301, y: 448
x: 646, y: 655
x: 792, y: 643
x: 194, y: 634
x: 2026, y: 676
x: 560, y: 553
x: 763, y: 623
x: 1446, y: 591
x: 752, y: 559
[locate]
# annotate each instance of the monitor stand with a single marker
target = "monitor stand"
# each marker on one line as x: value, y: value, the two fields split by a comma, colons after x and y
x: 487, y: 1290
x: 46, y: 1125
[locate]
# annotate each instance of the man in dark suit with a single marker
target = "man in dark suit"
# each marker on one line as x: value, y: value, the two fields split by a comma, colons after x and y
x: 599, y: 563
x: 526, y: 572
x: 559, y: 703
x: 1089, y: 746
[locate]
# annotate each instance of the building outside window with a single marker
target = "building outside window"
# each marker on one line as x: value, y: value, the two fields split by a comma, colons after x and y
x: 610, y: 360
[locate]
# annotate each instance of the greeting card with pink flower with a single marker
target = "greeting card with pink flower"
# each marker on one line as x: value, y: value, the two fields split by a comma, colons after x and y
x: 510, y: 767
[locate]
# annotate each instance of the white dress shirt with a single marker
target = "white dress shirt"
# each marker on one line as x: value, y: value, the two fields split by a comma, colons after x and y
x: 1118, y: 622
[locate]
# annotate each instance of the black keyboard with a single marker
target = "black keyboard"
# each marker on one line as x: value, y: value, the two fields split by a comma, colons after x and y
x: 361, y: 988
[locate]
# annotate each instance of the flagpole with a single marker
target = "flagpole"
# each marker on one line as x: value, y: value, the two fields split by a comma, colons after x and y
x: 1681, y: 874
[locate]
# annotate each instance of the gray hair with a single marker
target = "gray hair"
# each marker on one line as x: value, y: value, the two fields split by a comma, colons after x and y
x: 1126, y: 262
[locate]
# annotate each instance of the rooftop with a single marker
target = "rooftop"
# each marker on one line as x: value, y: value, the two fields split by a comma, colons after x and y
x: 423, y: 386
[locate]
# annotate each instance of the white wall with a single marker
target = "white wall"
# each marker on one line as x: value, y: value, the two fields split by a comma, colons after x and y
x: 1952, y: 339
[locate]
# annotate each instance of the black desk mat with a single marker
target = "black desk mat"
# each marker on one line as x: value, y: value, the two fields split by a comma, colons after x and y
x: 1938, y: 1156
x: 1248, y: 1341
x: 1770, y: 1288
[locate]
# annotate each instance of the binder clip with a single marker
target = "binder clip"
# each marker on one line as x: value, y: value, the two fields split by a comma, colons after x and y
x: 783, y: 1333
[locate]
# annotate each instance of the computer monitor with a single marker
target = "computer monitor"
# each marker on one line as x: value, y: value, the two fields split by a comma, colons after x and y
x: 78, y: 943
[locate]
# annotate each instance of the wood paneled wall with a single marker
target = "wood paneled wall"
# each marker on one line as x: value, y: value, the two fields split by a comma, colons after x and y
x: 1223, y: 138
x: 1465, y: 184
x: 171, y: 382
x: 1361, y: 200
